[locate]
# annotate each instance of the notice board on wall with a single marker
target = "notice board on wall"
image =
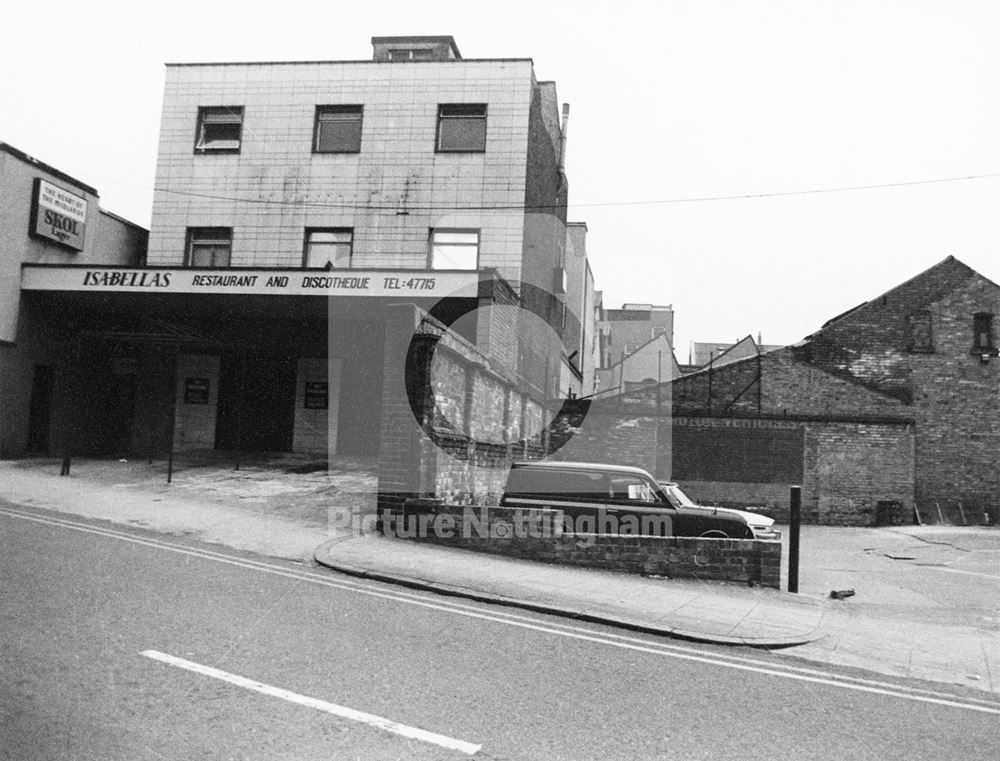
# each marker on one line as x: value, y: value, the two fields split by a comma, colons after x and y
x: 317, y: 396
x: 196, y: 391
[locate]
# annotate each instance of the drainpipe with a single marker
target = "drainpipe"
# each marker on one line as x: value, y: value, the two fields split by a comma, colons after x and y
x: 562, y: 139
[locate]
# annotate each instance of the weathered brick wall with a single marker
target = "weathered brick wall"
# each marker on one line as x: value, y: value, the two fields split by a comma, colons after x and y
x: 617, y: 432
x: 870, y: 344
x: 957, y: 407
x: 777, y: 384
x: 447, y: 385
x: 538, y: 534
x: 952, y: 395
x: 488, y: 406
x: 497, y: 320
x: 846, y: 469
x: 851, y: 467
x: 452, y: 421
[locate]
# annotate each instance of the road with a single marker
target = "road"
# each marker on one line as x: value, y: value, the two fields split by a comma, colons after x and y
x: 123, y: 644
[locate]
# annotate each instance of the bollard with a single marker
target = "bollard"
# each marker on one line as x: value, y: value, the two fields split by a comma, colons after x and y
x: 794, y: 522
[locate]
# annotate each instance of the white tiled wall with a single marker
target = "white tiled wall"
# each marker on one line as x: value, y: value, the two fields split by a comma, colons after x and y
x: 276, y: 187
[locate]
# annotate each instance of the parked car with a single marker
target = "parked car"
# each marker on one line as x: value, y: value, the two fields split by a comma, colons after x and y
x: 761, y: 525
x: 614, y: 499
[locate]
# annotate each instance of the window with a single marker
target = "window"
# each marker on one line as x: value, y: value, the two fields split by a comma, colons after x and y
x: 337, y: 129
x: 461, y: 128
x: 921, y: 338
x: 209, y: 246
x: 454, y: 249
x: 329, y: 248
x: 220, y: 129
x: 632, y: 488
x: 411, y: 54
x: 982, y: 333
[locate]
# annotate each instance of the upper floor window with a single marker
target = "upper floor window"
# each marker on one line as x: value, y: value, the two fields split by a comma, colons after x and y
x: 209, y: 246
x: 921, y: 337
x: 461, y: 127
x: 982, y: 332
x: 337, y: 129
x: 220, y: 129
x: 411, y: 54
x: 454, y: 249
x: 329, y: 247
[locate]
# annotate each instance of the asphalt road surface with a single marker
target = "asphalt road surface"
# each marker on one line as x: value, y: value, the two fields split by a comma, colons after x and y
x: 122, y: 644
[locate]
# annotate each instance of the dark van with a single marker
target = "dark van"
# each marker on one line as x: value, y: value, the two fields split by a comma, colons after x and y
x: 613, y: 499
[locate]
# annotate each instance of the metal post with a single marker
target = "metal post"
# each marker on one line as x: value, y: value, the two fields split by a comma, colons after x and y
x: 241, y: 370
x: 173, y: 416
x: 794, y: 523
x: 711, y: 360
x: 73, y: 398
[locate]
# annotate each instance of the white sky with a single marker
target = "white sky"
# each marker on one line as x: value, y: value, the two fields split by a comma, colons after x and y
x: 670, y: 100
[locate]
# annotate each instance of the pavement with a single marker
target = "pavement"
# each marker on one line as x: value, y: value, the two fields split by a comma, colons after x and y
x: 926, y: 603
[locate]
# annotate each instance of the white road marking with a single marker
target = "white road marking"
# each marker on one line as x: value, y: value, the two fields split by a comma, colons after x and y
x: 343, y: 712
x: 575, y: 632
x: 959, y: 570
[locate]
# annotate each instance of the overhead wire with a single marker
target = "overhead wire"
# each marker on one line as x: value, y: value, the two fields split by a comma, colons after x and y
x: 403, y: 206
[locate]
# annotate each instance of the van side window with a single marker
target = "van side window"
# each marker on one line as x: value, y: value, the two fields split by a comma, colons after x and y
x: 631, y: 488
x: 542, y: 484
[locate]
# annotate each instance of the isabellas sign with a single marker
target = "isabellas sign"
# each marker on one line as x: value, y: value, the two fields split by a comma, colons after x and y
x: 58, y: 215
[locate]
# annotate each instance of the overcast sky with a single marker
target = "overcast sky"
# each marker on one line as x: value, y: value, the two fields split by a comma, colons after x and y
x: 672, y: 103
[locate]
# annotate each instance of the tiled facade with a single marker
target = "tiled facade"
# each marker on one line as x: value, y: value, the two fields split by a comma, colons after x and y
x: 391, y: 192
x: 244, y: 155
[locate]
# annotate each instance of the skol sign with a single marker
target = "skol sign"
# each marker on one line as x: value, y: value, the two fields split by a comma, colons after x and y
x: 58, y: 215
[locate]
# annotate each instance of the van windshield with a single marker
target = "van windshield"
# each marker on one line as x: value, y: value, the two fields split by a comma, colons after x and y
x: 677, y: 497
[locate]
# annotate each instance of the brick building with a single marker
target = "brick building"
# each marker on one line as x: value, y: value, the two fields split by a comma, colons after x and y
x: 892, y: 405
x: 295, y: 204
x: 930, y: 343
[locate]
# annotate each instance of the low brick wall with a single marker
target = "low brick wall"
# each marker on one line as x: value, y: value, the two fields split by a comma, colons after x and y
x: 540, y: 534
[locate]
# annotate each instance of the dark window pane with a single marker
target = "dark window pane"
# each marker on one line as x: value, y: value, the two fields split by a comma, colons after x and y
x: 462, y: 127
x: 982, y: 328
x: 463, y: 135
x: 920, y: 332
x: 220, y: 128
x: 338, y: 129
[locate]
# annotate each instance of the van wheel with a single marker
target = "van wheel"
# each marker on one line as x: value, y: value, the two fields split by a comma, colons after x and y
x: 715, y: 535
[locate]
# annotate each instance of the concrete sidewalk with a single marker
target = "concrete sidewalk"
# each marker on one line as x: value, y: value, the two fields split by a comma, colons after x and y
x: 260, y: 508
x: 691, y: 610
x: 919, y: 642
x: 881, y: 630
x: 927, y: 603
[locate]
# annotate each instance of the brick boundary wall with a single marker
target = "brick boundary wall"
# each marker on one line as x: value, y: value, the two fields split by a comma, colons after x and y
x: 470, y: 417
x: 541, y: 538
